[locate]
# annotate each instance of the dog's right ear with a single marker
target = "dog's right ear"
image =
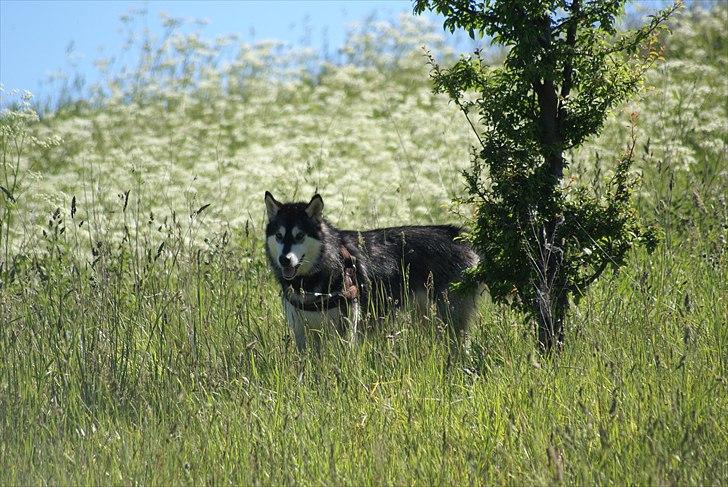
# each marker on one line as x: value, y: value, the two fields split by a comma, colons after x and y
x: 271, y: 205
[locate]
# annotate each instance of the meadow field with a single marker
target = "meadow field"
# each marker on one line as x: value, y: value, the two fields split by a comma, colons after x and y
x: 142, y: 339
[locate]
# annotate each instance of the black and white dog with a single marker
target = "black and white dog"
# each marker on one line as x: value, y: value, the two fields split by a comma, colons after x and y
x: 339, y: 277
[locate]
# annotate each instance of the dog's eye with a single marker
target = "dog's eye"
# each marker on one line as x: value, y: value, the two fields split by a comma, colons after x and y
x: 299, y: 237
x: 279, y: 236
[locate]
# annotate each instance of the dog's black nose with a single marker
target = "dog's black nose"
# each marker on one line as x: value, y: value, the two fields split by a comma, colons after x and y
x: 284, y: 260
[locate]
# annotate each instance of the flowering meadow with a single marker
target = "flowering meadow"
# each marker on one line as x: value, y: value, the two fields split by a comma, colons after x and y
x: 142, y: 338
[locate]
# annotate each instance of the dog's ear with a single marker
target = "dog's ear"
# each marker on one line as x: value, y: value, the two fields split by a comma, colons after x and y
x: 315, y: 207
x: 271, y: 205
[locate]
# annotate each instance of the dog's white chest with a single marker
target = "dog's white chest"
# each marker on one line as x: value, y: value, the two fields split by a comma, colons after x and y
x: 302, y: 321
x: 313, y: 320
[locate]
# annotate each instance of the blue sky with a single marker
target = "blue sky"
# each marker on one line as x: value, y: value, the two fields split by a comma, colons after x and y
x: 35, y: 35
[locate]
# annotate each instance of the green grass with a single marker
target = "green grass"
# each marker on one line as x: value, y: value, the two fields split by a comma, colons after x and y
x: 142, y: 339
x: 182, y: 370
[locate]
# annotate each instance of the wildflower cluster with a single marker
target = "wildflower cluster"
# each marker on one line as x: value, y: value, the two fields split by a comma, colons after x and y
x: 201, y: 121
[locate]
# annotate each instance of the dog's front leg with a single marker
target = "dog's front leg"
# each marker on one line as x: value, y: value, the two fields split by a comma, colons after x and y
x: 353, y: 319
x: 296, y: 324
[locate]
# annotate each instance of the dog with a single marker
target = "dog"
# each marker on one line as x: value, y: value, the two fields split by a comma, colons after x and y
x: 339, y: 277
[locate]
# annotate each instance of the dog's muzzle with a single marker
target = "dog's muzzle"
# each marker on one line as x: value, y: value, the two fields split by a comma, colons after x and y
x: 289, y: 271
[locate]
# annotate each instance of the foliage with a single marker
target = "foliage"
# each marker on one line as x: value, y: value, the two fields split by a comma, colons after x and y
x: 142, y: 338
x: 567, y: 66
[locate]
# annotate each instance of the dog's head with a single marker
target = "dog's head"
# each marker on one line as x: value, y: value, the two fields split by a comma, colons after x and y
x: 293, y: 235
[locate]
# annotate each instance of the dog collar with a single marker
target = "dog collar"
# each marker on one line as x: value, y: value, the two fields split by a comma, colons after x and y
x: 324, y: 301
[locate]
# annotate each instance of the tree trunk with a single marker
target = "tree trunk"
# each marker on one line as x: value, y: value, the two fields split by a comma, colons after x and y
x: 552, y: 309
x: 551, y: 297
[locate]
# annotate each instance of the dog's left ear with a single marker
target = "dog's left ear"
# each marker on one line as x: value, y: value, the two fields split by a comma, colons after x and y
x: 315, y: 207
x: 271, y: 205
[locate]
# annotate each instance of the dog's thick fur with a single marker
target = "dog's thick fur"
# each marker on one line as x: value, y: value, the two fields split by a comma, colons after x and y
x: 396, y: 265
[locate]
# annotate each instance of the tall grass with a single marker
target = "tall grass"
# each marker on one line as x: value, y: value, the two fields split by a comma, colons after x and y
x: 143, y: 340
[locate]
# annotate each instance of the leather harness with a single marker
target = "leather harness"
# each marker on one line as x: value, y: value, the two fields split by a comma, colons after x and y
x: 325, y: 301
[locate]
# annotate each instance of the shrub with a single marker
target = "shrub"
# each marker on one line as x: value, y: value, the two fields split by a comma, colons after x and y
x: 543, y: 239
